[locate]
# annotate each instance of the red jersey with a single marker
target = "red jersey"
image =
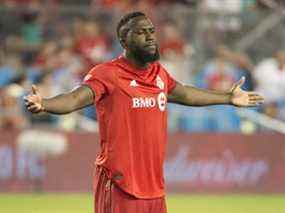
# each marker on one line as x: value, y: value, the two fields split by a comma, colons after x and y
x: 132, y: 116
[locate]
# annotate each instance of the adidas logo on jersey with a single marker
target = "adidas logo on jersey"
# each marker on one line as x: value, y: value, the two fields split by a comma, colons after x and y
x: 133, y: 83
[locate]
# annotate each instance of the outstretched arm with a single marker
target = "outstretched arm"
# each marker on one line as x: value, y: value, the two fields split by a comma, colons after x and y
x: 65, y: 103
x: 192, y: 96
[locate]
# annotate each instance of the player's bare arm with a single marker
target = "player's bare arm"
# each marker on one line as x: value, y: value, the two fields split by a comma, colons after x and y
x: 192, y: 96
x: 76, y: 99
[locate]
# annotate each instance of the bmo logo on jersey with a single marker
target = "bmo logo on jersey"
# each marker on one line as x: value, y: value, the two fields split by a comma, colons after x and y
x: 150, y: 102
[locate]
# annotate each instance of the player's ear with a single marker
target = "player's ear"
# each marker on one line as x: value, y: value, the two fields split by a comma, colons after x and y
x: 122, y: 36
x: 123, y: 42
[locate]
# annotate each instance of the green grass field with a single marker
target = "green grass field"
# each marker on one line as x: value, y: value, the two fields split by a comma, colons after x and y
x: 77, y: 203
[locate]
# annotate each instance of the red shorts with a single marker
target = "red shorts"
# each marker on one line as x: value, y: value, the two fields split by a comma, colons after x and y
x: 109, y: 198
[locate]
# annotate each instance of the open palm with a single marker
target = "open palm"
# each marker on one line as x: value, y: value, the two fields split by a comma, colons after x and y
x: 244, y: 98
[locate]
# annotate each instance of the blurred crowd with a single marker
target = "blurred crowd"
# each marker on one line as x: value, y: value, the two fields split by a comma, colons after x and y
x: 48, y: 44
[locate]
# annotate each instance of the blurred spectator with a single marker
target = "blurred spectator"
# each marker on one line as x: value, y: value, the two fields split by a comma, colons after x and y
x: 27, y: 2
x: 111, y: 4
x: 31, y: 31
x: 175, y: 52
x: 269, y: 4
x: 47, y: 51
x: 270, y: 77
x: 6, y: 73
x: 10, y: 66
x: 11, y: 115
x: 227, y: 67
x: 92, y: 44
x: 45, y: 60
x: 66, y: 73
x: 242, y: 64
x: 224, y: 6
x: 17, y: 2
x: 221, y: 73
x: 218, y: 73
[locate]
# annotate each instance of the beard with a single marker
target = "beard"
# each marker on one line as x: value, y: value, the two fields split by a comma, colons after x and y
x: 145, y: 56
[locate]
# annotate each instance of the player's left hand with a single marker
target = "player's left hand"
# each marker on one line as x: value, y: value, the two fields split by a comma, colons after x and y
x: 243, y: 98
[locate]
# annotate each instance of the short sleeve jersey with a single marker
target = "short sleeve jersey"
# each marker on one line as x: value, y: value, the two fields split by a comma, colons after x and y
x: 131, y: 110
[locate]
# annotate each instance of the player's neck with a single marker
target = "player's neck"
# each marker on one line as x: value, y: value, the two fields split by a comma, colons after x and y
x: 134, y: 61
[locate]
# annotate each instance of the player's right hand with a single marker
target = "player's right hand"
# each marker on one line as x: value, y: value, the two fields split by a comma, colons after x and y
x: 34, y: 100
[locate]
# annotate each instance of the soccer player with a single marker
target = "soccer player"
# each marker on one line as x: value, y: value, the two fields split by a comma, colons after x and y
x: 130, y: 94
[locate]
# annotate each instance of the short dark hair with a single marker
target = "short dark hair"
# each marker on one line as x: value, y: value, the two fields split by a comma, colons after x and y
x: 126, y: 18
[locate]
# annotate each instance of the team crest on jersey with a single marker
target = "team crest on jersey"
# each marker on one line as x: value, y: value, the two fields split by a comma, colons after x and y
x: 159, y: 82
